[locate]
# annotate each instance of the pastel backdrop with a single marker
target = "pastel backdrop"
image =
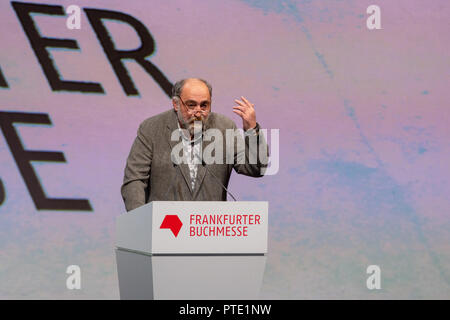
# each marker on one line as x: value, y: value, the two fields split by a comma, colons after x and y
x: 364, y: 133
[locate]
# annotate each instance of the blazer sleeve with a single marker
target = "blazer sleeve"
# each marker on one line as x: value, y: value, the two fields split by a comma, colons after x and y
x: 137, y: 171
x: 251, y: 153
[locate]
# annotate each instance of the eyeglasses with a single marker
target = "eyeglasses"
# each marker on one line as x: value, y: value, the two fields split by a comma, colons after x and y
x: 191, y: 105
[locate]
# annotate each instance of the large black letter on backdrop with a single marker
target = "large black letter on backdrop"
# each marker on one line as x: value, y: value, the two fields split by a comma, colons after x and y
x: 3, y: 82
x: 2, y: 192
x: 39, y: 45
x: 23, y: 158
x: 115, y: 56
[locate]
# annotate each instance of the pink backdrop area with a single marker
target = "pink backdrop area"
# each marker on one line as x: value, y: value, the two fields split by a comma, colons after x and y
x: 364, y: 140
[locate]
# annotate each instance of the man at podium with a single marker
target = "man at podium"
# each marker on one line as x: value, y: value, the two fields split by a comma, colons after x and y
x: 188, y: 153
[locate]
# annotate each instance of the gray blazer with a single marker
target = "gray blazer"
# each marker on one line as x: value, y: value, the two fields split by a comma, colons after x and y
x: 151, y: 175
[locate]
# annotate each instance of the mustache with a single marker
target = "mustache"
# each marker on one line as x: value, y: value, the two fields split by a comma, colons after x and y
x: 195, y: 118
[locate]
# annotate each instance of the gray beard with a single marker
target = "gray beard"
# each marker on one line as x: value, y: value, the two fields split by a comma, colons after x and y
x: 196, y: 127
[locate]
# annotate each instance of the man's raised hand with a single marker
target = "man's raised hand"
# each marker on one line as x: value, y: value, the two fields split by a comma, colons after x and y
x: 246, y: 111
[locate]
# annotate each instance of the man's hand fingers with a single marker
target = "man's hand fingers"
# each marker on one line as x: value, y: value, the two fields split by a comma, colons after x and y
x: 239, y: 113
x: 243, y: 109
x: 241, y: 103
x: 247, y: 102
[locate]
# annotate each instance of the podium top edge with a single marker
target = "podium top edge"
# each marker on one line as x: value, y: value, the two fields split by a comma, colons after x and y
x: 165, y: 201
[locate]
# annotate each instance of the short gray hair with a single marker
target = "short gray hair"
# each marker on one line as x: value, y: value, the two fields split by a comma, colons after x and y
x: 178, y: 87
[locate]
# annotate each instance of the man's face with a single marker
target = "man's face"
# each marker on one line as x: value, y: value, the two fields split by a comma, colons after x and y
x: 195, y: 104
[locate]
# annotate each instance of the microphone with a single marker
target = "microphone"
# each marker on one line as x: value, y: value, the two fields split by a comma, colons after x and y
x: 217, y: 179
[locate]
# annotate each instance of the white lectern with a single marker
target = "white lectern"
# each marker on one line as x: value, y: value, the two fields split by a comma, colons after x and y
x: 189, y: 277
x: 192, y: 250
x: 195, y: 227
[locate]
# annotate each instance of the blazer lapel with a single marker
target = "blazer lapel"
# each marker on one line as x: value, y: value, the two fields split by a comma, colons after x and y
x: 201, y: 170
x: 171, y: 126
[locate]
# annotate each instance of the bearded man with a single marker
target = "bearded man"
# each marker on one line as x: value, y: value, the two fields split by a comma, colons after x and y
x: 151, y: 173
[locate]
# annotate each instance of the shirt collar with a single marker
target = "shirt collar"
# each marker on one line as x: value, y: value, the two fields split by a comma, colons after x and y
x: 188, y: 139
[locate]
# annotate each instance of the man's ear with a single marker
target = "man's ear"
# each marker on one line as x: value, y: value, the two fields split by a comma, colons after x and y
x: 175, y: 104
